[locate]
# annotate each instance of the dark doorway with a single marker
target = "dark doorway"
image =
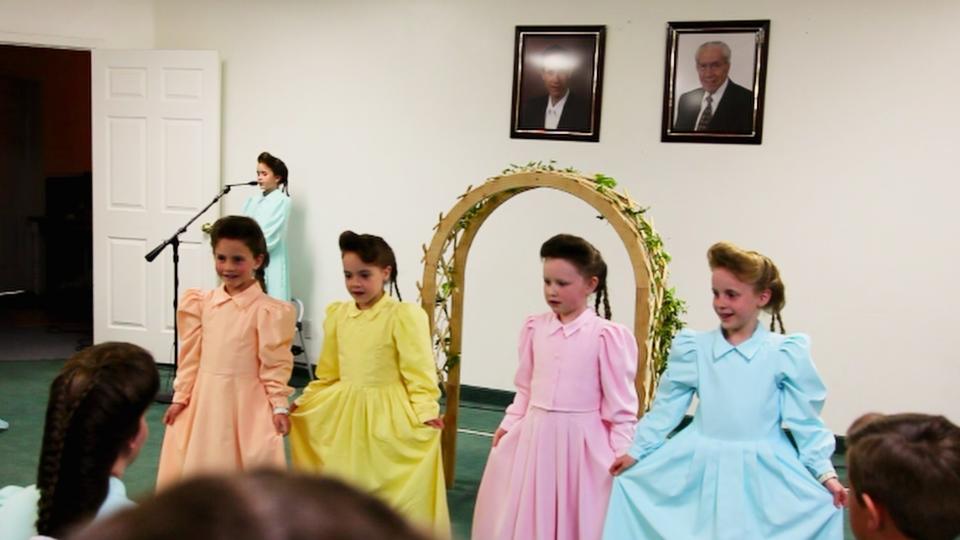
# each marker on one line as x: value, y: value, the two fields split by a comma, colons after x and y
x: 46, y: 229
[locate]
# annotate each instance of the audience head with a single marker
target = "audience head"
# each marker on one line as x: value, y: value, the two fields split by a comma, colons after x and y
x: 264, y: 505
x: 94, y: 422
x: 904, y: 472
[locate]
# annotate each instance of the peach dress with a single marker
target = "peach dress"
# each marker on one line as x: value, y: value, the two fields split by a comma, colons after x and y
x: 234, y: 365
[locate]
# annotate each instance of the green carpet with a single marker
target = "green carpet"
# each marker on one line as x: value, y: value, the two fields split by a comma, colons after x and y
x: 23, y: 396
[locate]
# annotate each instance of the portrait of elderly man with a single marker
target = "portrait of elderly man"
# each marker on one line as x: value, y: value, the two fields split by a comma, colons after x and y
x: 558, y: 108
x: 719, y: 105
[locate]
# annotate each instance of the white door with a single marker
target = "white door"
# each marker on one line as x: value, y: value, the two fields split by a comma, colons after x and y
x: 156, y: 162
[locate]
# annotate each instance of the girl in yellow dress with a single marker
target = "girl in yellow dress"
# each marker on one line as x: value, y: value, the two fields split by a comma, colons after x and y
x: 371, y: 417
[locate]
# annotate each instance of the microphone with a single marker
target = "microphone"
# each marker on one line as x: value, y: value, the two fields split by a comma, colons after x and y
x: 250, y: 183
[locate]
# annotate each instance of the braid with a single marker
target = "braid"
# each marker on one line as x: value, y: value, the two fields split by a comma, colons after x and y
x: 52, y: 515
x: 94, y: 411
x: 777, y: 318
x: 262, y: 277
x: 602, y: 293
x: 394, y: 288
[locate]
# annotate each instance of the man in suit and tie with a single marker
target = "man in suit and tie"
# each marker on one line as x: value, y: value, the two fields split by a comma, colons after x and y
x: 720, y: 105
x: 559, y: 109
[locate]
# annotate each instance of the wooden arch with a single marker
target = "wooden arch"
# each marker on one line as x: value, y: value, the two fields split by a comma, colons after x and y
x: 444, y: 271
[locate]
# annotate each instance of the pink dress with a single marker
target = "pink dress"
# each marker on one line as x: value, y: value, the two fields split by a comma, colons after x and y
x: 574, y: 412
x: 235, y: 362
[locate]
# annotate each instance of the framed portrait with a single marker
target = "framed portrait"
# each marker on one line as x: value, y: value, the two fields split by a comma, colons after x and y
x: 714, y: 81
x: 557, y: 82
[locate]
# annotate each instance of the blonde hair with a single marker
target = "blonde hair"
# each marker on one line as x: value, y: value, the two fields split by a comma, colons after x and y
x: 754, y: 269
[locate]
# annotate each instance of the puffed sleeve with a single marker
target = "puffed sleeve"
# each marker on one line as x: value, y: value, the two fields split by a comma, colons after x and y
x: 802, y: 394
x: 618, y: 373
x: 274, y: 221
x: 276, y: 322
x: 677, y: 388
x: 190, y: 333
x: 521, y: 380
x: 411, y: 337
x: 328, y: 365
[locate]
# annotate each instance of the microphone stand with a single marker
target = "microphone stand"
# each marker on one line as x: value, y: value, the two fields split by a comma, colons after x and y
x: 174, y: 242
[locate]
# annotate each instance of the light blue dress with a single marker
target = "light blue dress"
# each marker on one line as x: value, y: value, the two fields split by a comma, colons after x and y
x: 18, y: 508
x: 272, y: 211
x: 733, y: 473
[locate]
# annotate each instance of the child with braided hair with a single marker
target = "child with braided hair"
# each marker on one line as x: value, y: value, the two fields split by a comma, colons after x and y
x: 94, y: 429
x: 372, y: 416
x: 574, y: 411
x: 733, y: 473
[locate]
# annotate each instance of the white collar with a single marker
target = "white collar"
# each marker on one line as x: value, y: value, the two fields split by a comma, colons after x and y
x: 717, y: 96
x: 559, y: 104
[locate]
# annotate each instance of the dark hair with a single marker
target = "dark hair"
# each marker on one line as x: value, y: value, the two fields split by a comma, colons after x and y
x: 372, y: 250
x: 263, y: 505
x: 247, y: 231
x: 754, y: 269
x: 94, y: 411
x: 278, y: 167
x: 586, y: 259
x: 909, y: 464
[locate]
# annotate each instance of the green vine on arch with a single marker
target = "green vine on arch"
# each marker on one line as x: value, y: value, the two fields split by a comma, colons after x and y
x: 667, y: 308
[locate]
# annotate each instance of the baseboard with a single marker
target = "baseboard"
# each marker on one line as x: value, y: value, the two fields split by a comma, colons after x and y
x: 486, y: 396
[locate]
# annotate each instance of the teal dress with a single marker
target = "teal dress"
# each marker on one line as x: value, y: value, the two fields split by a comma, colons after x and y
x: 733, y: 473
x: 272, y: 211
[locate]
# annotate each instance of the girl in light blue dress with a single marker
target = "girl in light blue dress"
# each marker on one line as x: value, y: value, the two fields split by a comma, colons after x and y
x: 271, y: 210
x: 733, y: 473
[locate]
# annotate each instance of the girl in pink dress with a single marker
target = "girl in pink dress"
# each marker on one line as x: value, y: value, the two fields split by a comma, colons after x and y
x: 229, y: 410
x: 575, y: 409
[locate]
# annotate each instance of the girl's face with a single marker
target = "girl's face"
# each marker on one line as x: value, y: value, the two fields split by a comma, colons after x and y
x: 364, y: 281
x: 236, y: 264
x: 266, y: 179
x: 736, y: 303
x: 564, y: 289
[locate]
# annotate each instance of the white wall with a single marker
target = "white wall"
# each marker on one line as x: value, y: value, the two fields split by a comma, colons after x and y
x: 385, y: 111
x: 86, y: 24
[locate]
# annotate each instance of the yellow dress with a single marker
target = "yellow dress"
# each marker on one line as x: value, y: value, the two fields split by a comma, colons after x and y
x: 362, y: 419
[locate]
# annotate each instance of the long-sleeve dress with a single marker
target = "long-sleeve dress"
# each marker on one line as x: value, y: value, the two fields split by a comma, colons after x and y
x: 235, y: 362
x: 272, y: 212
x: 733, y: 473
x: 362, y: 419
x: 574, y: 412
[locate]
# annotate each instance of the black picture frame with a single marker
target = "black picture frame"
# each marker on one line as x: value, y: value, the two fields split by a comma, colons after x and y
x: 738, y: 118
x: 582, y: 51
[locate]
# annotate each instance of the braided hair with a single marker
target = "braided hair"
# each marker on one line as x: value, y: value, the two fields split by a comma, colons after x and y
x: 278, y: 168
x: 94, y: 411
x: 246, y: 230
x: 754, y: 269
x: 586, y: 259
x: 372, y: 250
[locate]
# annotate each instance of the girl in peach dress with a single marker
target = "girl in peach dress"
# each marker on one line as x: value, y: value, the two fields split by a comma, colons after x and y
x: 229, y: 409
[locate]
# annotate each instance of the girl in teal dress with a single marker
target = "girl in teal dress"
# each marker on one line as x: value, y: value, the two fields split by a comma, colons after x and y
x: 733, y: 473
x: 271, y: 210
